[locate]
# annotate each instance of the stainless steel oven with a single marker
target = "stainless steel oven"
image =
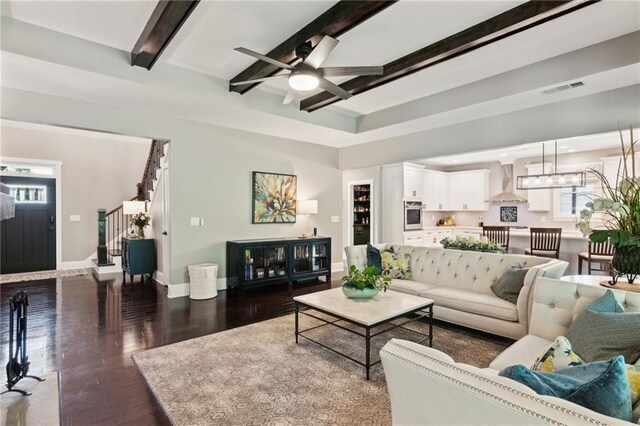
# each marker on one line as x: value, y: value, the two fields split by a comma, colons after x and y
x: 412, y: 215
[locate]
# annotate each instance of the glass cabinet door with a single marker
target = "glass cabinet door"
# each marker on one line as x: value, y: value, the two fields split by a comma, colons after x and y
x: 301, y: 261
x: 254, y: 264
x: 276, y: 261
x: 319, y: 257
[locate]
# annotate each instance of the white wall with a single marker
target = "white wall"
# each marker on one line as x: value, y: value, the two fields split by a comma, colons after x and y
x: 210, y: 173
x: 98, y: 171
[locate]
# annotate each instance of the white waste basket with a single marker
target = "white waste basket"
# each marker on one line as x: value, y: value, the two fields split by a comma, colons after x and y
x: 203, y: 281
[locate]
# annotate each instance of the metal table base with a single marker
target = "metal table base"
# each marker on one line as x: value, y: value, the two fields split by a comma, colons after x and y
x: 301, y: 308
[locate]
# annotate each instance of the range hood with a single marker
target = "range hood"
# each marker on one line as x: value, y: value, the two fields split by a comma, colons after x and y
x: 507, y: 194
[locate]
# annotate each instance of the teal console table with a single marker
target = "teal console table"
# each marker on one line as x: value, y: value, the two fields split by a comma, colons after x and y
x: 138, y: 257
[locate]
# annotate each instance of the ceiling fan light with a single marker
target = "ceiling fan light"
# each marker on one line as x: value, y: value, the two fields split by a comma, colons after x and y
x: 303, y: 82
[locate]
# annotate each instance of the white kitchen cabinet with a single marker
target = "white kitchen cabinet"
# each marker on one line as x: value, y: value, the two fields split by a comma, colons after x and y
x: 466, y: 233
x: 468, y: 190
x: 610, y: 168
x: 432, y: 237
x: 538, y: 200
x: 413, y: 182
x: 435, y: 188
x: 413, y: 238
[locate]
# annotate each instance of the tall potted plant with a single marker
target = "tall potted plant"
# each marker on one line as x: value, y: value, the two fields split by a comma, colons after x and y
x: 619, y: 209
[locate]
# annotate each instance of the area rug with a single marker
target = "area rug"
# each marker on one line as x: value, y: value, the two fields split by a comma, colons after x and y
x: 41, y: 275
x: 257, y: 375
x: 42, y: 407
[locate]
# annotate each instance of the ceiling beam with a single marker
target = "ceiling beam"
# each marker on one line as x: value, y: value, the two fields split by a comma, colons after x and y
x: 340, y: 18
x: 163, y: 25
x: 508, y: 23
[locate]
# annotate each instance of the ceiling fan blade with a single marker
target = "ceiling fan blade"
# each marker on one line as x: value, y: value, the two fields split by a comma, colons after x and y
x: 291, y: 95
x: 342, y: 71
x: 258, y: 80
x: 263, y: 58
x: 321, y: 51
x: 334, y: 89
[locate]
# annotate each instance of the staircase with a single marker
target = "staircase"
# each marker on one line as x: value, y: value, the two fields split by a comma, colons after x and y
x: 114, y: 224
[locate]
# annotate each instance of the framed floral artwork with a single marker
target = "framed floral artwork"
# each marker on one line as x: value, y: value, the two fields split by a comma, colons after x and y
x: 274, y: 197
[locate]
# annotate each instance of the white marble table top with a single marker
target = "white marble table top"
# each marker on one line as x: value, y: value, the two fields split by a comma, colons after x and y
x: 367, y: 312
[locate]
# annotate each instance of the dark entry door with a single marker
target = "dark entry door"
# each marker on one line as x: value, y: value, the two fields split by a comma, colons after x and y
x: 29, y: 239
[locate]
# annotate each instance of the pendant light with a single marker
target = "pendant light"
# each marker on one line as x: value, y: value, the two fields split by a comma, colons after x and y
x: 552, y: 180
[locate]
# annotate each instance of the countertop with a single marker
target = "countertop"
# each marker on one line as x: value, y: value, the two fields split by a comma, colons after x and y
x: 519, y: 233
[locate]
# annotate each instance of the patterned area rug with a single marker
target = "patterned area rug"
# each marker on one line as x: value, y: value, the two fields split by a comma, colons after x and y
x: 41, y: 275
x: 257, y: 375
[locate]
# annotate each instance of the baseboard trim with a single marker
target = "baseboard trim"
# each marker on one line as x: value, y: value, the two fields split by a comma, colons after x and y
x: 79, y: 264
x: 337, y: 267
x: 182, y: 289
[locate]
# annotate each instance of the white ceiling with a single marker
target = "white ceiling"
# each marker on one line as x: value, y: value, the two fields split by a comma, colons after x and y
x: 533, y: 150
x: 190, y: 80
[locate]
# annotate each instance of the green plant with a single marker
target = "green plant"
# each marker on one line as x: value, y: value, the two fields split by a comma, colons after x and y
x: 619, y: 206
x: 140, y: 220
x: 470, y: 244
x: 367, y: 277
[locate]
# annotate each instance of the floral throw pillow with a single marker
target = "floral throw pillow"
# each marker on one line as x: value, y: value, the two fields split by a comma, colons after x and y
x: 557, y: 357
x: 396, y: 265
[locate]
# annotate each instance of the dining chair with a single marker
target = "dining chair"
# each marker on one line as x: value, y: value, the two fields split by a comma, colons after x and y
x: 497, y: 234
x: 600, y: 253
x: 545, y: 242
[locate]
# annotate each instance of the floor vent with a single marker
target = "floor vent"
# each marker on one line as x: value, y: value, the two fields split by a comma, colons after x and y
x: 562, y: 87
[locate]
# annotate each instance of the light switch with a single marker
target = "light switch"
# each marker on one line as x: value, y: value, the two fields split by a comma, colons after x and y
x: 201, y: 221
x: 195, y: 221
x: 74, y: 218
x: 543, y: 218
x: 335, y: 219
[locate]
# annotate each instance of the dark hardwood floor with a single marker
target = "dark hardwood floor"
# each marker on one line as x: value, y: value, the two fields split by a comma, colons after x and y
x: 87, y: 330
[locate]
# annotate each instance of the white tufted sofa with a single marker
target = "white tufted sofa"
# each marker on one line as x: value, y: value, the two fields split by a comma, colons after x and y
x: 460, y: 284
x: 428, y: 387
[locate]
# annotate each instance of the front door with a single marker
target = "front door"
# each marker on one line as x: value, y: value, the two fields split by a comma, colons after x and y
x: 28, y: 240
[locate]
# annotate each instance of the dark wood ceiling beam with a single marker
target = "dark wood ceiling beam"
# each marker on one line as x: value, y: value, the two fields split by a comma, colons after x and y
x: 339, y: 19
x: 508, y: 23
x: 163, y: 25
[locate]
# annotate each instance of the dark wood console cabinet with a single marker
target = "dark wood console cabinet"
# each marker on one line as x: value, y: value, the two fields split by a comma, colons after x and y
x: 138, y: 257
x: 271, y: 261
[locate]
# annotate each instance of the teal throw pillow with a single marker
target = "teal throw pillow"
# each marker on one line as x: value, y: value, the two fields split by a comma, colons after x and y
x: 373, y: 257
x: 604, y: 330
x: 600, y: 386
x: 509, y: 285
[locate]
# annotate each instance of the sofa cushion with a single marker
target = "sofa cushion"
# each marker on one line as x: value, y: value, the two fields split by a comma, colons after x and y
x: 602, y: 330
x: 410, y: 287
x: 373, y: 257
x: 525, y: 351
x: 600, y: 386
x: 470, y: 301
x: 557, y: 357
x: 509, y: 285
x: 396, y: 265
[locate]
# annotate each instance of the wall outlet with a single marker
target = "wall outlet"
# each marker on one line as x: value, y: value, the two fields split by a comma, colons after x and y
x: 335, y: 219
x: 74, y: 218
x: 543, y: 218
x: 195, y: 221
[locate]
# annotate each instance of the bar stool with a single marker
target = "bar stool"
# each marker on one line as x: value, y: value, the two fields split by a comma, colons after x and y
x: 545, y: 242
x: 497, y: 234
x: 600, y: 253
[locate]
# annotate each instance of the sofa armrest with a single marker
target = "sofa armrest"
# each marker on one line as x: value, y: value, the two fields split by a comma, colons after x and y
x: 357, y: 255
x: 427, y: 387
x: 552, y: 269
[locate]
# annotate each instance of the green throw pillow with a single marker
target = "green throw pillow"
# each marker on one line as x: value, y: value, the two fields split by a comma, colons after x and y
x: 508, y: 286
x: 603, y: 330
x: 396, y: 265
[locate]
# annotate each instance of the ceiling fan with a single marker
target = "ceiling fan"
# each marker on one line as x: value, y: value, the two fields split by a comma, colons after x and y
x: 305, y: 73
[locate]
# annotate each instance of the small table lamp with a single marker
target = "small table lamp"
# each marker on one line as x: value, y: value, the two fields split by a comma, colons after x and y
x: 307, y: 207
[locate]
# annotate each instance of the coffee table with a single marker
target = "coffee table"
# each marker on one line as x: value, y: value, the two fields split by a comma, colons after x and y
x: 367, y: 314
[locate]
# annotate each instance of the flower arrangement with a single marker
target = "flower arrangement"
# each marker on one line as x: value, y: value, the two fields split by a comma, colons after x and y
x: 140, y: 221
x: 470, y: 243
x: 619, y: 206
x: 369, y: 277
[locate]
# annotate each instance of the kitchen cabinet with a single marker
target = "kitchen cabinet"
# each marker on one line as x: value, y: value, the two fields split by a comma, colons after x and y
x: 432, y: 237
x: 475, y: 234
x: 413, y: 182
x: 436, y: 186
x: 468, y: 190
x: 413, y: 238
x: 538, y: 200
x: 610, y: 168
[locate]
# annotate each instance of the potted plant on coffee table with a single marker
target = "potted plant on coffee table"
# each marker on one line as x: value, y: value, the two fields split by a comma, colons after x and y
x: 619, y: 210
x: 364, y: 284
